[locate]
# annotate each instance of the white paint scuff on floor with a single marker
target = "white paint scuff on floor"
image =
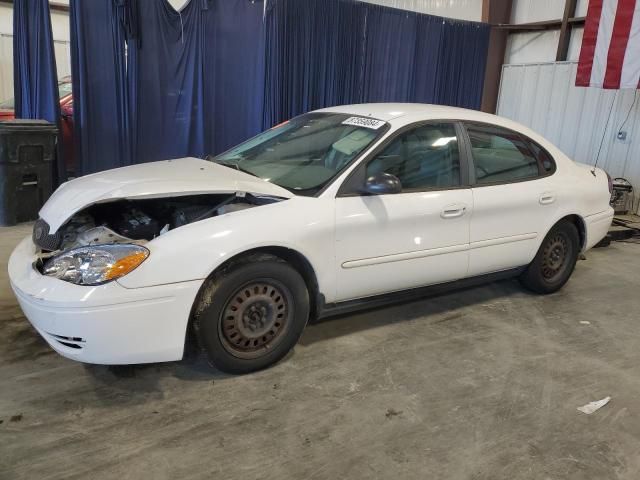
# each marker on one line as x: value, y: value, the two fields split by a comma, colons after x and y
x: 589, y: 408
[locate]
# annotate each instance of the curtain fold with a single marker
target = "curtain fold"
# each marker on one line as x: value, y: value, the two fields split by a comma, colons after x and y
x: 35, y: 79
x: 102, y: 131
x: 195, y: 77
x: 165, y: 80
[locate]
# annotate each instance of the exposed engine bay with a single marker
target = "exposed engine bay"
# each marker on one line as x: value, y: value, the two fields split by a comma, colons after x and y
x: 139, y: 221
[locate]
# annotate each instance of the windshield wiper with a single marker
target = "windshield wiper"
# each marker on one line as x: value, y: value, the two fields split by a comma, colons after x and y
x: 237, y: 167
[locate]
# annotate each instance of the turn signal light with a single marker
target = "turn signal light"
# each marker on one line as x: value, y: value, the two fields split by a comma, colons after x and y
x: 125, y: 265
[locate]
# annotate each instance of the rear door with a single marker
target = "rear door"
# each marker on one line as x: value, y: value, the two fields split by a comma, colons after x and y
x: 513, y: 195
x: 418, y: 237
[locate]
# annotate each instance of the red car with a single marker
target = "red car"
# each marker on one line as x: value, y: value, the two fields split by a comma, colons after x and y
x: 66, y: 120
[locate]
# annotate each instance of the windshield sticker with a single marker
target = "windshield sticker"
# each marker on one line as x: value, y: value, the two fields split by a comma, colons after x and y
x: 364, y: 122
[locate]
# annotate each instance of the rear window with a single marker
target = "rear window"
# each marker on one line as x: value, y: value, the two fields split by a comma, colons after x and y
x: 500, y: 155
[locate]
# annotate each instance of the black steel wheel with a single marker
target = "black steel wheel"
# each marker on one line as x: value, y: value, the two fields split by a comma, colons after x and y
x: 555, y: 260
x: 556, y: 256
x: 256, y: 318
x: 251, y: 314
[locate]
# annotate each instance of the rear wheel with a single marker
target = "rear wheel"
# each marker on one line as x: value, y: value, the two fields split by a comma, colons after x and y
x: 251, y: 315
x: 555, y: 260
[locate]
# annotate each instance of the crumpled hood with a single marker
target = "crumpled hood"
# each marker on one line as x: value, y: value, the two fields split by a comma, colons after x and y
x: 185, y: 176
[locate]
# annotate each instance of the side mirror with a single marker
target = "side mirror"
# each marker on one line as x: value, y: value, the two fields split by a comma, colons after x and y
x: 382, y: 183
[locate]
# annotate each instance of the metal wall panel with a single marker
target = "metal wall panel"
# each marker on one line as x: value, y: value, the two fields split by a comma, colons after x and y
x: 544, y: 97
x: 524, y: 11
x: 63, y: 63
x: 537, y: 47
x: 460, y: 9
x: 6, y: 66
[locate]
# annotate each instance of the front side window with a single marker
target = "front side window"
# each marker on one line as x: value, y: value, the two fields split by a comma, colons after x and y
x: 423, y: 158
x: 305, y: 153
x: 500, y: 155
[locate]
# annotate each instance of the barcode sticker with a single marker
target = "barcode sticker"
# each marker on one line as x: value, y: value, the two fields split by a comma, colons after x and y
x: 364, y: 122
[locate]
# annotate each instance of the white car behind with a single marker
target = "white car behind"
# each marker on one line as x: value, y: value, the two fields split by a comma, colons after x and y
x: 333, y: 210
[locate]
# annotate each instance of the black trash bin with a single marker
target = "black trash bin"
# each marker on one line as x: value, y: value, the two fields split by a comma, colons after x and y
x: 27, y: 160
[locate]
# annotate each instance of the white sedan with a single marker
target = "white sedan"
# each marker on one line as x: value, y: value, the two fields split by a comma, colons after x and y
x: 328, y: 212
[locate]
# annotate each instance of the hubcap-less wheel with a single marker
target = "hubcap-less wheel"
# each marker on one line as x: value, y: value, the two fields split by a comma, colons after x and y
x: 255, y: 318
x: 556, y: 256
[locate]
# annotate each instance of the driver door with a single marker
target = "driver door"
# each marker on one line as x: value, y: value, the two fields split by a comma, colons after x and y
x: 414, y: 238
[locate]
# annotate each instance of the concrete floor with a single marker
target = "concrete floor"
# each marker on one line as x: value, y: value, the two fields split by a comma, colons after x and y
x: 480, y: 384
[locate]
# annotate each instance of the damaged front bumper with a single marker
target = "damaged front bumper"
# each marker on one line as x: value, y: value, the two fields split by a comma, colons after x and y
x: 106, y: 324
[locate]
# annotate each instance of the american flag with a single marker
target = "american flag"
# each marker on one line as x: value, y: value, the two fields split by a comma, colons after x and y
x: 610, y: 54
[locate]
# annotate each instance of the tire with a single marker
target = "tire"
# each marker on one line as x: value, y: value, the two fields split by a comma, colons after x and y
x: 555, y: 260
x: 252, y: 314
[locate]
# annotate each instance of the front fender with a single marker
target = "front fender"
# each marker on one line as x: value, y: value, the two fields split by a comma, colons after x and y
x: 194, y: 251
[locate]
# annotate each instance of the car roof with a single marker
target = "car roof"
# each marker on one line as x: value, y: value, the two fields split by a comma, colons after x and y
x: 401, y: 114
x: 404, y: 113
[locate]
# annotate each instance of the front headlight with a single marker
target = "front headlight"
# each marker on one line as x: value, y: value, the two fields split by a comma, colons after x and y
x: 95, y: 264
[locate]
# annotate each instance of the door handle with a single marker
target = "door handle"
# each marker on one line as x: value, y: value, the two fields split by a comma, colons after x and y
x: 453, y: 211
x: 547, y: 198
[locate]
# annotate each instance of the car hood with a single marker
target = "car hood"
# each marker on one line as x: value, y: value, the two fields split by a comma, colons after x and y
x: 185, y: 176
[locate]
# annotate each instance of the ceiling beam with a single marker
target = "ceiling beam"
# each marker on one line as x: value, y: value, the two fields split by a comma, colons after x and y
x: 537, y: 26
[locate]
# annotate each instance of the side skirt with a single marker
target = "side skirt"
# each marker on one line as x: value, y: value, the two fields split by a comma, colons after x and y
x: 340, y: 308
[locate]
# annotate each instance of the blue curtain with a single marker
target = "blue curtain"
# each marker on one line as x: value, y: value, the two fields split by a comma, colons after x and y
x: 461, y: 63
x: 374, y: 54
x: 429, y: 33
x: 233, y: 72
x: 195, y: 76
x: 102, y: 130
x: 314, y: 56
x: 35, y: 81
x: 202, y: 79
x: 390, y: 50
x: 166, y: 82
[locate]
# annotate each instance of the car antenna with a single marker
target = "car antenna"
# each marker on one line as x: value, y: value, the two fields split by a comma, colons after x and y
x: 606, y: 125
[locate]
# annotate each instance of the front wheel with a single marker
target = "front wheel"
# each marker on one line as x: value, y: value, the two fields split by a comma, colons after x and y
x: 555, y: 260
x: 251, y: 316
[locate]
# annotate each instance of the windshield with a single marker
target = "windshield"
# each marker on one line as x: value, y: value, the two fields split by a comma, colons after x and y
x: 64, y: 89
x: 305, y: 153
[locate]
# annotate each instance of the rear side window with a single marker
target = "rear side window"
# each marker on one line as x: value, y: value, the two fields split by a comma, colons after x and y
x: 500, y: 155
x: 546, y: 162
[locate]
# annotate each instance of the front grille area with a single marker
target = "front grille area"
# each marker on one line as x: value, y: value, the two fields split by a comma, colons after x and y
x: 43, y: 239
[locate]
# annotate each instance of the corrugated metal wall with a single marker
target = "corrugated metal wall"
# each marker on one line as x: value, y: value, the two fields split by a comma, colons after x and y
x: 544, y: 97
